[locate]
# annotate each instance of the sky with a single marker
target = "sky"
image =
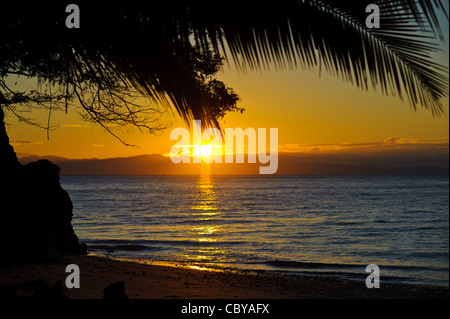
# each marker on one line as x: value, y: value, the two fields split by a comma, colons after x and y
x: 313, y: 113
x: 307, y: 109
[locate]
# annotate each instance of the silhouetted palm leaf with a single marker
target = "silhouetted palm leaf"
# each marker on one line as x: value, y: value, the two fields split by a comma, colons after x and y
x: 154, y: 48
x: 396, y: 57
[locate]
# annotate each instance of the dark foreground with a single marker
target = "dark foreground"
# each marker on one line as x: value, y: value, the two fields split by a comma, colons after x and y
x: 143, y: 281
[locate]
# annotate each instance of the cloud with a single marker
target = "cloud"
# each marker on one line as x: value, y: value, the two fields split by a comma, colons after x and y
x: 314, y: 148
x: 387, y: 143
x: 24, y: 142
x: 400, y: 140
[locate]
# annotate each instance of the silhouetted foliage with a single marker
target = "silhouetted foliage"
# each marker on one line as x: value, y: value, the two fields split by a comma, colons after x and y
x: 108, y: 67
x: 170, y: 52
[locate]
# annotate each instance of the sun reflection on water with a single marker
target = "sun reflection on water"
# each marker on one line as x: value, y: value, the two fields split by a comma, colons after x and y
x: 205, y: 199
x: 204, y: 211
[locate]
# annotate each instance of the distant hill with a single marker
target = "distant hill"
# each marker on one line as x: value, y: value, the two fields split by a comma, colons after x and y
x: 288, y: 163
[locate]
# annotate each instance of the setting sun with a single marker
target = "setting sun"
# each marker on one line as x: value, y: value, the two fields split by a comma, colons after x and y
x: 203, y: 150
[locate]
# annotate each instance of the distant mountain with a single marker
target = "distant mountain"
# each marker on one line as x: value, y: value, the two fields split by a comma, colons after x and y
x: 27, y: 158
x: 288, y: 163
x: 137, y: 165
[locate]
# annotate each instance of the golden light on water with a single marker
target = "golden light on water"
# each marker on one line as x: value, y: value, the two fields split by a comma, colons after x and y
x: 205, y: 201
x: 205, y: 208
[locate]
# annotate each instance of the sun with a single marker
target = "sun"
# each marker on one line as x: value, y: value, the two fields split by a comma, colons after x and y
x: 202, y: 150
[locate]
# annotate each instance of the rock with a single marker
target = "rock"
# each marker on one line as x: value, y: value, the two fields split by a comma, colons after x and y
x: 115, y: 291
x: 35, y: 211
x: 55, y: 204
x: 8, y: 159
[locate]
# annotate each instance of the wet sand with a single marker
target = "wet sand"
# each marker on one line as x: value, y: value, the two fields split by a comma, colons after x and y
x: 144, y: 281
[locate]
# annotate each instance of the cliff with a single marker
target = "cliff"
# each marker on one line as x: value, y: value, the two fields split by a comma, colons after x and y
x: 35, y: 211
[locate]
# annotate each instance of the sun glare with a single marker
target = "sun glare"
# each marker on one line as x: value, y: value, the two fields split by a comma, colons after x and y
x: 203, y: 150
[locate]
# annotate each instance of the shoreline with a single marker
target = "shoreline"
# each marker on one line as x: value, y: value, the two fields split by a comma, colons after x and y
x: 151, y: 281
x: 238, y: 269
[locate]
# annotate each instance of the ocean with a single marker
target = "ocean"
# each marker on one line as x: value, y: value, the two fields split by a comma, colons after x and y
x: 309, y: 225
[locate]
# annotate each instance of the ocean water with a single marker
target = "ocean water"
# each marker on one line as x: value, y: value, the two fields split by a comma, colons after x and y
x: 311, y: 225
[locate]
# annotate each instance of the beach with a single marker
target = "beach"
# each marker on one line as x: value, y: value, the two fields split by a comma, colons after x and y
x: 146, y: 281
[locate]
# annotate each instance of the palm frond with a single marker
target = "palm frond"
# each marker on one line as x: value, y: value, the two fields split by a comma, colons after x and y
x: 396, y: 57
x: 154, y: 48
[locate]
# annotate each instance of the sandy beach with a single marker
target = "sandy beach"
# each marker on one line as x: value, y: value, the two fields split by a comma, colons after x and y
x: 144, y: 281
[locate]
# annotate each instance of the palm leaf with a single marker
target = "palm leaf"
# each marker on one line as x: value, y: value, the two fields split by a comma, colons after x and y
x: 396, y: 58
x: 133, y: 46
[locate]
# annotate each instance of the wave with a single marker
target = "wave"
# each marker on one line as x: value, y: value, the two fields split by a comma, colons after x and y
x: 112, y: 248
x: 314, y: 265
x: 136, y: 245
x: 390, y: 274
x: 310, y: 265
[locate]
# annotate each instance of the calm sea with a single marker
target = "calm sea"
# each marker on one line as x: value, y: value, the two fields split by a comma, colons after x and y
x: 319, y: 225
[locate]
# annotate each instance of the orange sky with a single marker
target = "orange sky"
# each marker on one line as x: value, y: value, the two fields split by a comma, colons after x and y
x: 307, y: 108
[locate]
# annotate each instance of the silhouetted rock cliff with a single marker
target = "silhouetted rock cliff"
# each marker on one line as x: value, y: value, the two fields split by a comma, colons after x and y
x: 35, y: 211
